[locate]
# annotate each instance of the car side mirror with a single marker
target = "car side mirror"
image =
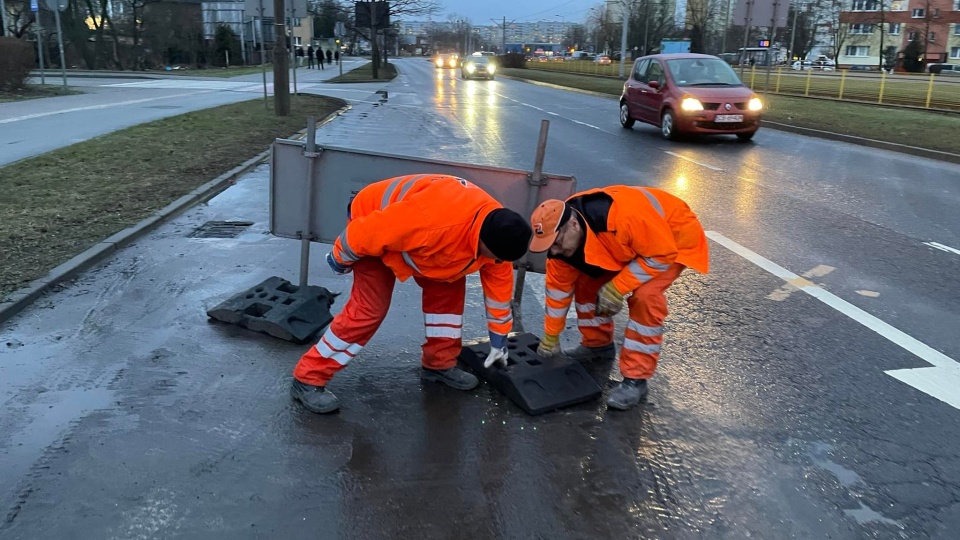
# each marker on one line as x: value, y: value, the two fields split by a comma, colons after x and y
x: 654, y: 84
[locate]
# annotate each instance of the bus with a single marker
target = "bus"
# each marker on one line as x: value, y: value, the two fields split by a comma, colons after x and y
x: 761, y: 56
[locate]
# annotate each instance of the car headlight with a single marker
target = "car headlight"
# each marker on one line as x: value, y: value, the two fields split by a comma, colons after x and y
x: 471, y: 68
x: 754, y: 104
x: 439, y: 62
x: 453, y: 62
x: 491, y: 68
x: 691, y: 104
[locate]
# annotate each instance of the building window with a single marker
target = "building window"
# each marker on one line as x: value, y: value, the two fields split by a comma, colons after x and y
x: 954, y: 52
x: 956, y: 29
x: 861, y: 28
x: 895, y: 29
x: 858, y: 50
x: 918, y: 13
x: 865, y: 5
x: 936, y: 13
x: 297, y: 41
x: 932, y: 36
x: 913, y: 36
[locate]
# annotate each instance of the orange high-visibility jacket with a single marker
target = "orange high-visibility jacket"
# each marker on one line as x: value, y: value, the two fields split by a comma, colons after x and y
x: 648, y: 230
x: 429, y: 225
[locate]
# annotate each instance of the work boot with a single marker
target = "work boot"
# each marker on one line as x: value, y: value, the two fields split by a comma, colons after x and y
x: 582, y: 353
x: 627, y: 394
x: 453, y: 377
x: 315, y: 398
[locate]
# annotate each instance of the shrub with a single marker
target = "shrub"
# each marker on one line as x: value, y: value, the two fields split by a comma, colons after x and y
x: 16, y: 61
x: 512, y: 60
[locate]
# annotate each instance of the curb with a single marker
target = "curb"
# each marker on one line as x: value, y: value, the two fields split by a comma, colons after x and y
x: 17, y: 301
x: 810, y: 132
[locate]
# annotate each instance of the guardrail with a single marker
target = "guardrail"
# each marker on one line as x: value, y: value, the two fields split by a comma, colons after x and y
x: 934, y: 92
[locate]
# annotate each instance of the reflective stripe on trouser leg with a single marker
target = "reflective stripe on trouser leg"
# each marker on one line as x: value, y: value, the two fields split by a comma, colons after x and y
x: 443, y: 321
x: 353, y: 327
x: 594, y: 331
x: 643, y: 336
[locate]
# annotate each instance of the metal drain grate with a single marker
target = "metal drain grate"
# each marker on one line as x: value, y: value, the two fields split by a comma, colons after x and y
x: 221, y: 229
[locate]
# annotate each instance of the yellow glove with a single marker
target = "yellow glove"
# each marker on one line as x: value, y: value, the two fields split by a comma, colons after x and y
x: 609, y: 301
x: 549, y: 346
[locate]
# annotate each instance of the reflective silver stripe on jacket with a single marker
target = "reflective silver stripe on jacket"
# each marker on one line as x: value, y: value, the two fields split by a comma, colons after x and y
x: 502, y: 320
x: 596, y: 321
x: 655, y: 264
x: 557, y: 312
x: 586, y: 308
x: 409, y: 180
x: 348, y: 253
x: 653, y: 200
x: 409, y: 261
x: 638, y: 272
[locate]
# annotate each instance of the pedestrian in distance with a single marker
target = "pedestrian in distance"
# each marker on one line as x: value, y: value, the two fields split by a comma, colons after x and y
x: 336, y: 56
x: 329, y: 57
x: 299, y: 56
x: 320, y: 57
x: 310, y: 57
x: 605, y: 245
x: 436, y: 229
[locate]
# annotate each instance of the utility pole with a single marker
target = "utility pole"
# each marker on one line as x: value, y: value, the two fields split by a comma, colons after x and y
x: 281, y: 78
x: 626, y: 8
x: 793, y: 33
x: 503, y: 33
x: 3, y: 17
x: 746, y: 35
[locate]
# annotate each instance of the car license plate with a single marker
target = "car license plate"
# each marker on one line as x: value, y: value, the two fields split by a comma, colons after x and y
x: 728, y: 118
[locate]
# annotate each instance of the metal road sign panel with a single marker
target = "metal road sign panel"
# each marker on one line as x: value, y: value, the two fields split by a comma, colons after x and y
x: 252, y: 8
x: 34, y: 6
x: 340, y: 172
x: 761, y: 12
x: 58, y: 5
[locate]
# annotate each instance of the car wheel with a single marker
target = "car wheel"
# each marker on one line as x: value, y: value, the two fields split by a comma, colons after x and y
x: 667, y: 126
x: 745, y: 137
x: 625, y: 119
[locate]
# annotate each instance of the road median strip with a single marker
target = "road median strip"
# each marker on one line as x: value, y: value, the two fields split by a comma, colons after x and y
x: 69, y: 209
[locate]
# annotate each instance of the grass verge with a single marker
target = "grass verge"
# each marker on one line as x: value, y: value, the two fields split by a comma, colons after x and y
x: 364, y: 73
x: 232, y: 71
x: 925, y: 129
x: 56, y: 205
x: 36, y: 91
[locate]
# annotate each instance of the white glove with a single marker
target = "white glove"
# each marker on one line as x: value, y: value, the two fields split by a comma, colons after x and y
x: 496, y: 356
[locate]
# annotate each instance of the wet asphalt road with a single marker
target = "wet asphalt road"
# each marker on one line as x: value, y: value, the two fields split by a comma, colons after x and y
x: 128, y: 415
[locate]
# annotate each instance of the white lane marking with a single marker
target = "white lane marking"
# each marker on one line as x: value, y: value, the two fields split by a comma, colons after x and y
x: 711, y: 167
x: 95, y: 107
x: 941, y: 247
x: 184, y: 84
x: 941, y: 381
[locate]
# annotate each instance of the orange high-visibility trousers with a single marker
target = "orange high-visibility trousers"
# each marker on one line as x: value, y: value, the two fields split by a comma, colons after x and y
x: 363, y: 313
x: 644, y: 333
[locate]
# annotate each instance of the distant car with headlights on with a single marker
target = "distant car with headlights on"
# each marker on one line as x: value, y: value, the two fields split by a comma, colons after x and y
x: 475, y: 67
x: 444, y: 61
x: 689, y: 93
x: 603, y: 60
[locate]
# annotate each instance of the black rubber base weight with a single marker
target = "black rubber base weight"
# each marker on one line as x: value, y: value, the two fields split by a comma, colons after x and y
x: 536, y: 384
x: 278, y: 308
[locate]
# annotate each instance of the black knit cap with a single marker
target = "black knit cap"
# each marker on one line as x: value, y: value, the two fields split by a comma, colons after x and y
x: 506, y: 234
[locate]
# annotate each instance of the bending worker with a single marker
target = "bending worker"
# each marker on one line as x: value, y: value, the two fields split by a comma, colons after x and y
x: 606, y: 244
x: 436, y: 229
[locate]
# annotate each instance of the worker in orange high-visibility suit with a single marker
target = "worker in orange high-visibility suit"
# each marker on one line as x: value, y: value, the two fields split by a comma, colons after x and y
x: 606, y: 244
x: 436, y: 229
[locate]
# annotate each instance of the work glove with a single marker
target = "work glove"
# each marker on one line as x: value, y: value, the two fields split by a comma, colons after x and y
x: 498, y: 350
x: 340, y: 269
x: 549, y: 346
x: 609, y: 301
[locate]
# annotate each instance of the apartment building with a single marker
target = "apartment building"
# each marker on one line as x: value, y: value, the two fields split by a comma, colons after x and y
x: 873, y: 25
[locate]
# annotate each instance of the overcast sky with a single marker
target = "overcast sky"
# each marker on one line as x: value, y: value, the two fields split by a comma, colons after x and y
x: 480, y: 12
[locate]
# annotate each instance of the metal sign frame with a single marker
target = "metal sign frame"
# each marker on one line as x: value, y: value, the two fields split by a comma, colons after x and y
x: 337, y: 173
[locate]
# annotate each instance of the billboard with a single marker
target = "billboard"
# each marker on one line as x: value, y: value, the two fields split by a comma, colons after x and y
x: 761, y: 12
x: 365, y: 11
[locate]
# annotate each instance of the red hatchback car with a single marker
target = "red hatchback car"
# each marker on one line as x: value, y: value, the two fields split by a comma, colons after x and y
x: 689, y: 93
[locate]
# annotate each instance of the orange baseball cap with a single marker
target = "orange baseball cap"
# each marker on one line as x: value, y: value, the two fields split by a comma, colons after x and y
x: 546, y: 221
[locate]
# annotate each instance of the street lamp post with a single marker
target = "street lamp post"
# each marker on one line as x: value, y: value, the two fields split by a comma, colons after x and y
x: 626, y: 8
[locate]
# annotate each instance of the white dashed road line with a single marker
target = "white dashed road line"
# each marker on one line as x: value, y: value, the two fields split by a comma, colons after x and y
x: 685, y: 158
x: 941, y: 247
x: 941, y: 381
